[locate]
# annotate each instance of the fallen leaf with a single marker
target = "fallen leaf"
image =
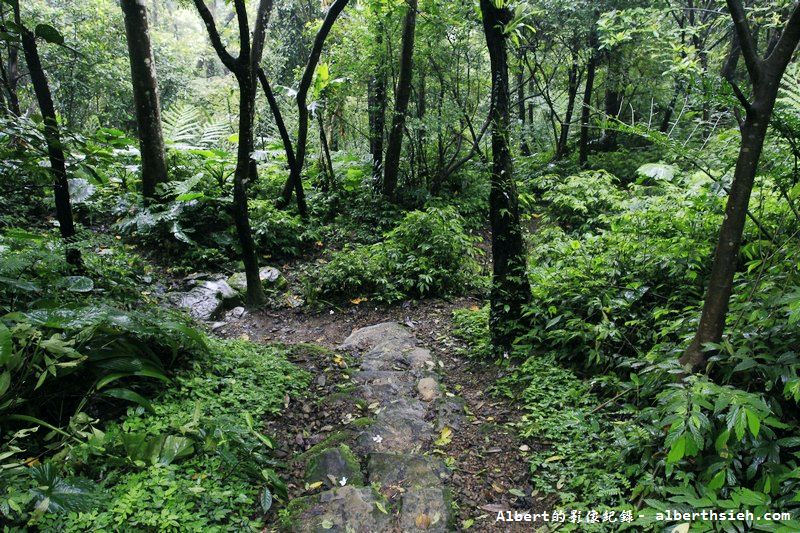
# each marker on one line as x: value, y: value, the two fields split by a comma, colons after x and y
x: 423, y: 521
x: 381, y: 507
x: 498, y: 488
x: 445, y: 437
x: 553, y: 458
x: 493, y: 508
x: 315, y: 485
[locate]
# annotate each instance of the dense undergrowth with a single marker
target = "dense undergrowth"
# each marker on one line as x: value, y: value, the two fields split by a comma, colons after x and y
x: 617, y: 275
x: 76, y: 351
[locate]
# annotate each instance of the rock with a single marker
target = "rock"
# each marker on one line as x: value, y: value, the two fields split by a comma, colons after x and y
x: 206, y: 300
x: 408, y: 471
x: 426, y: 509
x: 370, y: 337
x: 271, y: 279
x: 450, y: 413
x: 428, y: 389
x: 216, y: 325
x: 236, y: 313
x: 343, y: 509
x: 399, y: 428
x: 337, y: 463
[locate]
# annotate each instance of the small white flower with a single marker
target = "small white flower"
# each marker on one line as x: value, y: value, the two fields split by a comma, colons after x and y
x: 343, y: 481
x: 378, y: 439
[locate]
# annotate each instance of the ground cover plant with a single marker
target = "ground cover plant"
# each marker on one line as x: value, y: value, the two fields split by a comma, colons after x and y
x: 583, y: 215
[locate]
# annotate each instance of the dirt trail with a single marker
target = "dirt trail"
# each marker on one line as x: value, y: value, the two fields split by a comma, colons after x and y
x: 484, y: 457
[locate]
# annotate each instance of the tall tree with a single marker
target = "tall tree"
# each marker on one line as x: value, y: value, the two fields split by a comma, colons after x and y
x: 52, y: 134
x: 296, y: 156
x: 394, y: 144
x: 510, y: 285
x: 765, y: 75
x: 376, y: 103
x: 244, y: 67
x: 145, y: 95
x: 586, y: 105
x: 9, y: 71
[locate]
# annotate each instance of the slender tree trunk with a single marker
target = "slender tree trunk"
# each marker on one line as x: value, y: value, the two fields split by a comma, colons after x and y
x: 145, y: 96
x: 422, y: 107
x: 765, y: 76
x: 52, y: 135
x: 572, y: 92
x: 591, y: 67
x: 327, y: 162
x: 670, y: 109
x: 244, y: 67
x: 377, y: 109
x: 403, y: 94
x: 245, y: 171
x: 510, y: 285
x: 520, y: 81
x: 295, y: 179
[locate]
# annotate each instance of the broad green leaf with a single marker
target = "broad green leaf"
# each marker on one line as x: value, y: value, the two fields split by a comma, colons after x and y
x: 48, y: 33
x: 5, y: 344
x: 677, y: 450
x: 129, y: 395
x: 753, y: 422
x: 266, y: 499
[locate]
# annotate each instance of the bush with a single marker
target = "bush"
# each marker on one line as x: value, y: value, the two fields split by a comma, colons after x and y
x: 428, y: 253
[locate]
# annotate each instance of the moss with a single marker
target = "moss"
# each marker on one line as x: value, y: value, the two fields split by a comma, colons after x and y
x: 295, y: 508
x: 362, y: 422
x: 318, y: 465
x: 335, y: 438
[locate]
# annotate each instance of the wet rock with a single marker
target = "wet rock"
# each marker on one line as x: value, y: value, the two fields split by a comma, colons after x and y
x: 343, y: 509
x: 450, y: 413
x: 334, y: 467
x: 406, y: 470
x: 271, y: 279
x: 428, y: 389
x: 206, y: 300
x: 236, y: 313
x: 426, y: 509
x: 370, y: 337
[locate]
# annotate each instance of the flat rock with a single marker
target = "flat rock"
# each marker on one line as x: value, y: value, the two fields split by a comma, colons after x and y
x: 333, y: 467
x: 425, y: 509
x: 206, y: 300
x: 367, y: 338
x: 450, y: 413
x: 428, y: 389
x: 271, y: 279
x: 343, y: 509
x: 406, y: 470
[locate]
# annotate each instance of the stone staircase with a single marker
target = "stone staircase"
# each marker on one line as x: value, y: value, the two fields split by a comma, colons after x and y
x: 387, y: 479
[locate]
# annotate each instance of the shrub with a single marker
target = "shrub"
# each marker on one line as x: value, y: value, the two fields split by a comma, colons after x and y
x: 427, y: 253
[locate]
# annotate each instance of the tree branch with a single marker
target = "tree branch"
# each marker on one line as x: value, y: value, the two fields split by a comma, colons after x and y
x: 276, y: 113
x: 782, y: 53
x: 244, y: 28
x: 216, y: 42
x: 316, y: 49
x: 746, y: 41
x: 260, y: 30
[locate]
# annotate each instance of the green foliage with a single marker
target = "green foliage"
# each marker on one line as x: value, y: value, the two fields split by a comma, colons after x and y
x: 578, y: 202
x: 428, y: 253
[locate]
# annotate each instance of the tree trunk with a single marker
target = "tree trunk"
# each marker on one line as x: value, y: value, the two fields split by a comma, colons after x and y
x: 244, y: 67
x: 520, y: 81
x: 591, y: 67
x: 245, y: 171
x: 670, y: 109
x: 376, y: 102
x: 510, y: 286
x: 422, y: 108
x: 295, y: 180
x: 145, y: 96
x: 403, y: 94
x: 327, y: 162
x: 52, y: 136
x: 572, y: 92
x: 765, y: 76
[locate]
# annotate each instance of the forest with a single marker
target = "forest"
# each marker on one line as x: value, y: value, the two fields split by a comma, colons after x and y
x: 399, y: 265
